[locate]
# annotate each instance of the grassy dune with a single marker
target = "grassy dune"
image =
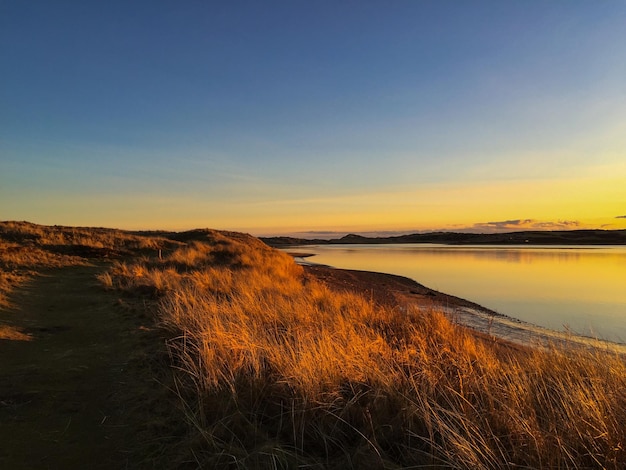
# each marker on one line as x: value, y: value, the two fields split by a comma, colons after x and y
x: 276, y: 370
x: 26, y: 249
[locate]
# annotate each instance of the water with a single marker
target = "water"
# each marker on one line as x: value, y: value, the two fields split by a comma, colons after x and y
x: 581, y: 289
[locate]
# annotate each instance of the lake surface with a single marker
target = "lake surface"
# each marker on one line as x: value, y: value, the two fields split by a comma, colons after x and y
x: 581, y: 289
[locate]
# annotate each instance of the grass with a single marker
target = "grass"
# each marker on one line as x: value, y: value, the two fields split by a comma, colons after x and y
x: 276, y: 370
x: 26, y: 249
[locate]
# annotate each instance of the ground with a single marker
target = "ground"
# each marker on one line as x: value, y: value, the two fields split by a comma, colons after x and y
x: 69, y: 388
x: 386, y: 289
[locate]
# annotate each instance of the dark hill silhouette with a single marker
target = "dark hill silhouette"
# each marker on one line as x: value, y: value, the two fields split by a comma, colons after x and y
x: 555, y: 237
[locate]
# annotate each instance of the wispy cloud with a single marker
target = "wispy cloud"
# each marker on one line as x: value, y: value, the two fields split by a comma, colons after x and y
x: 526, y: 224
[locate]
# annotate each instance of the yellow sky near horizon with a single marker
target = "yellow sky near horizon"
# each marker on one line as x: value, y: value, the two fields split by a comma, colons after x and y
x: 583, y: 202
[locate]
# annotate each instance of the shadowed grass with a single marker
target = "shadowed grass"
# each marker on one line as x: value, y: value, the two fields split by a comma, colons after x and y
x: 279, y: 371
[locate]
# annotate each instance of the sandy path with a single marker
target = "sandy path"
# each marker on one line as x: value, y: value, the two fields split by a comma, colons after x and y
x: 64, y: 394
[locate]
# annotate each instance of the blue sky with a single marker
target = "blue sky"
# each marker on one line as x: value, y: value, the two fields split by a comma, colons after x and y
x: 279, y: 117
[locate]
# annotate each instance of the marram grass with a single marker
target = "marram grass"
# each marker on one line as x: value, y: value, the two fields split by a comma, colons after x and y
x: 278, y: 371
x: 27, y: 249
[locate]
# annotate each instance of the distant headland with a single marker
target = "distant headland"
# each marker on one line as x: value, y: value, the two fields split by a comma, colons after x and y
x: 556, y: 237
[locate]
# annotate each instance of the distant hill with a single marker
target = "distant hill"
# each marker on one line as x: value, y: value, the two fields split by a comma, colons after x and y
x: 560, y: 237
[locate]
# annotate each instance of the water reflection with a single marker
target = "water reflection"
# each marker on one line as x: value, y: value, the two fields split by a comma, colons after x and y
x: 581, y: 288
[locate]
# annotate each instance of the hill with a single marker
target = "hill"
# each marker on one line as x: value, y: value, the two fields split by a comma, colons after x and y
x: 564, y: 237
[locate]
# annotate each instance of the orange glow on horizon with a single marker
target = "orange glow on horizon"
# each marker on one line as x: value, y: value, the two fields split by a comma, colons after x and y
x: 593, y: 202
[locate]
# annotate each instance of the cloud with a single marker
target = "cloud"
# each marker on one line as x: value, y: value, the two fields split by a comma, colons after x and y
x: 620, y: 217
x: 526, y: 224
x: 505, y: 224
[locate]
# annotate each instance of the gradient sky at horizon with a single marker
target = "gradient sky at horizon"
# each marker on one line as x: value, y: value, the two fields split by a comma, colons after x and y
x: 293, y: 116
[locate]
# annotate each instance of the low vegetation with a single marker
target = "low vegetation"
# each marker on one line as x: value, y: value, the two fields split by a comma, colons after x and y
x: 276, y: 370
x: 26, y: 249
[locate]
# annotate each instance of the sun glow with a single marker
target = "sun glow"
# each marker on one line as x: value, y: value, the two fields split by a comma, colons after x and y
x: 543, y: 205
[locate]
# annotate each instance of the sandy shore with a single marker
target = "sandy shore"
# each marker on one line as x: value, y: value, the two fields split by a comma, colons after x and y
x: 401, y: 292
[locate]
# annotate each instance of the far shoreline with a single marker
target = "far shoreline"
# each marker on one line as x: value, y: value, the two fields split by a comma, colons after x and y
x: 526, y: 238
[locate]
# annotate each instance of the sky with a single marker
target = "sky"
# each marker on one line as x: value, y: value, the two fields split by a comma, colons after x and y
x: 314, y: 117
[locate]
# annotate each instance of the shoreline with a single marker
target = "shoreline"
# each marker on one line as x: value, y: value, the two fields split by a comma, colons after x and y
x: 402, y: 292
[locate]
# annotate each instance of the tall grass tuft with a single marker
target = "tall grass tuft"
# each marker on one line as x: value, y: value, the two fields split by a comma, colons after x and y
x: 279, y: 371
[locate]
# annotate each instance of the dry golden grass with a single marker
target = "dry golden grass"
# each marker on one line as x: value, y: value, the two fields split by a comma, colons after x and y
x: 14, y: 334
x: 278, y: 371
x: 29, y: 234
x: 18, y: 263
x: 26, y: 249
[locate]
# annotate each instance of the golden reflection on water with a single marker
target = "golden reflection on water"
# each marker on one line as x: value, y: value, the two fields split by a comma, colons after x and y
x: 584, y: 287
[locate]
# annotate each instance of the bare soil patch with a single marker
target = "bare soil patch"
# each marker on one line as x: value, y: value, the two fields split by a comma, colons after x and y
x: 387, y: 289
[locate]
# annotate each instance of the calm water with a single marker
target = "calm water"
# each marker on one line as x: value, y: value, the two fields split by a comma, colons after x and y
x: 582, y: 289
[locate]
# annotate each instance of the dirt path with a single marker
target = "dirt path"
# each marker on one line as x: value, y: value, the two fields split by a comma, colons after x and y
x: 66, y: 396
